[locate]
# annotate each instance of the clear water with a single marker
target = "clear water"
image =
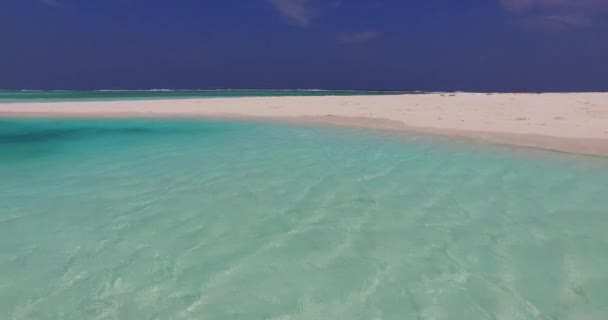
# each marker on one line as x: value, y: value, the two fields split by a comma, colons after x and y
x: 134, y: 219
x: 43, y: 96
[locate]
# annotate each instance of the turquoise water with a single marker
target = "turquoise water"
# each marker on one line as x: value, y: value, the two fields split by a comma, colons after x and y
x: 25, y: 96
x: 169, y: 219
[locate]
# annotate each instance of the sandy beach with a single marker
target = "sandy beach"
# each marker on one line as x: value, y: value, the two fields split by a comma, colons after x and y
x: 567, y: 122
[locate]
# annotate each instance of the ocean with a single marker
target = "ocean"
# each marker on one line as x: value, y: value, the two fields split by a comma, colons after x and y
x: 103, y: 95
x: 184, y: 219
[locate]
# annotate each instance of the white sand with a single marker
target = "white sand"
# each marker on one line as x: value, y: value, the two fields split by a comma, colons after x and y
x: 570, y: 122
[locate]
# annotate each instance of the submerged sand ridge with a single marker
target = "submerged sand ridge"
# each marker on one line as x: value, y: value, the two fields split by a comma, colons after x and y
x: 569, y: 122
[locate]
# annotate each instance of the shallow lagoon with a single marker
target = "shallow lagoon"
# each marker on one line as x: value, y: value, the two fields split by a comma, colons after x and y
x: 174, y: 219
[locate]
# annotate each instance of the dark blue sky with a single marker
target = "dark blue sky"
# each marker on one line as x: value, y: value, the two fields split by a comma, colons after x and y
x: 473, y: 45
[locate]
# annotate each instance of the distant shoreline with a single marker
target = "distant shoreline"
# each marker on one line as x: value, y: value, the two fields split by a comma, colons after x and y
x: 566, y: 122
x: 13, y: 96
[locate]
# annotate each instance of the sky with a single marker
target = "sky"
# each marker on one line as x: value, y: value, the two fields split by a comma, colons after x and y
x: 431, y: 45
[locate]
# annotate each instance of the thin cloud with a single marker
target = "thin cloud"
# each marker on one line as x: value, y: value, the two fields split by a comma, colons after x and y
x: 297, y: 12
x: 358, y: 37
x: 302, y: 12
x: 52, y: 3
x: 559, y: 22
x: 523, y: 5
x: 557, y: 15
